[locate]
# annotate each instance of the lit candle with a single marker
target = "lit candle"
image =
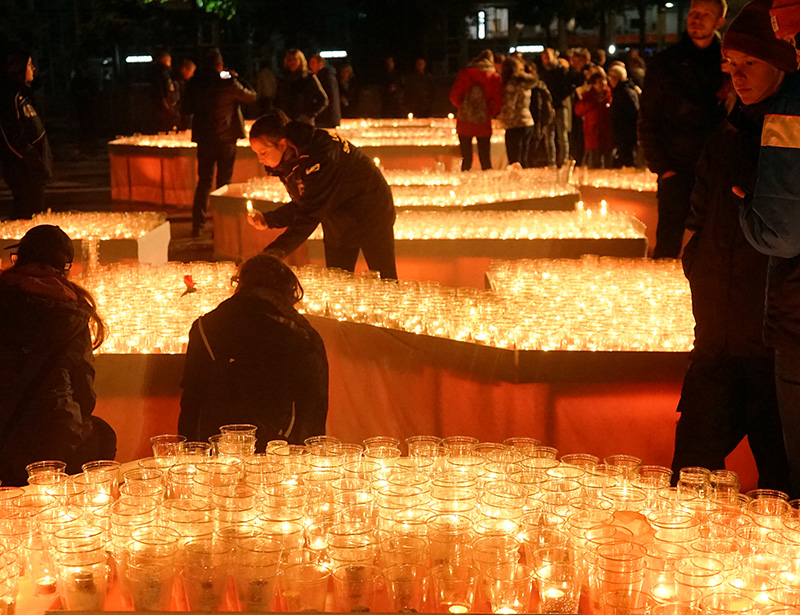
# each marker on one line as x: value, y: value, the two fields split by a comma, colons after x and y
x: 505, y: 609
x: 458, y: 608
x: 553, y: 594
x: 250, y: 209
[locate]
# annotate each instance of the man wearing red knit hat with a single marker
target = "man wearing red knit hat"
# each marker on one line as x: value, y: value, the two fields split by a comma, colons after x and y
x: 770, y: 216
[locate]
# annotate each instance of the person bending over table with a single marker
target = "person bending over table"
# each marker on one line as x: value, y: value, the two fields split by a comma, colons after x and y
x: 331, y: 182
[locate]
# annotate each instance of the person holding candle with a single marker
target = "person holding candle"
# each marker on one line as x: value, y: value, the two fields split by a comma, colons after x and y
x: 331, y: 182
x: 49, y: 327
x: 769, y: 210
x: 729, y: 390
x: 254, y: 359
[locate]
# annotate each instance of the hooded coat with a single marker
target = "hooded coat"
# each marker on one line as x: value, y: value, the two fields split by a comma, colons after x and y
x: 483, y: 74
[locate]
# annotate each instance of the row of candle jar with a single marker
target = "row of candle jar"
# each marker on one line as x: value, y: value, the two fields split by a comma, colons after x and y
x: 84, y: 225
x: 510, y: 225
x: 425, y: 188
x: 628, y: 178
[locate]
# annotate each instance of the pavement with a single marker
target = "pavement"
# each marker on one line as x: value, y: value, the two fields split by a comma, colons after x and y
x: 82, y: 183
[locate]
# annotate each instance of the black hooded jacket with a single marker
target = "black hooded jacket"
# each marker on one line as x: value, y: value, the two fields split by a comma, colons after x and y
x: 216, y: 106
x: 22, y: 135
x: 333, y: 183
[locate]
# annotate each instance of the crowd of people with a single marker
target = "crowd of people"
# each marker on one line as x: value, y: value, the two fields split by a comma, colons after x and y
x: 716, y: 118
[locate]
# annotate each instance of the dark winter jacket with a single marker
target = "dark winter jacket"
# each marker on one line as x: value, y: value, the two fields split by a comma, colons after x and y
x: 300, y: 96
x: 46, y: 372
x: 594, y: 108
x: 23, y: 136
x: 770, y: 215
x: 166, y: 97
x: 216, y: 106
x: 331, y: 182
x: 560, y: 84
x: 252, y: 361
x: 726, y: 274
x: 680, y: 106
x: 484, y: 75
x: 330, y: 116
x: 624, y: 114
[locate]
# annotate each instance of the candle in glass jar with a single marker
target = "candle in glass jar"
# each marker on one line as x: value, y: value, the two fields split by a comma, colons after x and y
x: 458, y: 608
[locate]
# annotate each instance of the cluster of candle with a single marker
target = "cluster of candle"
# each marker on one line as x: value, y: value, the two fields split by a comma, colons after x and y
x: 454, y: 526
x: 640, y: 180
x: 438, y: 188
x: 89, y: 225
x: 362, y: 133
x: 585, y: 305
x: 525, y: 225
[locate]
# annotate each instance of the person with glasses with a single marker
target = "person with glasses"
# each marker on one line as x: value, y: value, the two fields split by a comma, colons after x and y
x: 49, y: 327
x: 254, y: 359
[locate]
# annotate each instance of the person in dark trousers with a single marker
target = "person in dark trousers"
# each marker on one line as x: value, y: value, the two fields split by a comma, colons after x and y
x: 331, y: 182
x: 680, y: 107
x: 420, y: 90
x: 299, y: 94
x: 593, y: 108
x: 182, y: 77
x: 624, y: 115
x: 561, y: 86
x: 330, y: 116
x: 770, y: 211
x: 166, y: 96
x: 254, y: 359
x: 214, y: 99
x: 348, y: 92
x: 391, y: 90
x: 24, y: 149
x: 477, y: 94
x: 729, y: 391
x: 49, y: 327
x: 516, y: 111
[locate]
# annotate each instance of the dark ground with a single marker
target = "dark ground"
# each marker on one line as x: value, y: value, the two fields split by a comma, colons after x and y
x: 82, y: 183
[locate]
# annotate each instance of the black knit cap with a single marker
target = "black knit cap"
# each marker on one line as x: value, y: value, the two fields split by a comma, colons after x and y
x: 751, y: 32
x: 45, y: 244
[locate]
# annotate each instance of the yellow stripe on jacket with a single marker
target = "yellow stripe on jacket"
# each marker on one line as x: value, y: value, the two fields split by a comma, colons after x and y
x: 781, y: 131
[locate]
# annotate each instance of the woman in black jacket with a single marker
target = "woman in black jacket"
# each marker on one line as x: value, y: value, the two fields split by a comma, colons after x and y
x: 300, y: 94
x: 254, y: 359
x: 24, y: 150
x: 48, y: 329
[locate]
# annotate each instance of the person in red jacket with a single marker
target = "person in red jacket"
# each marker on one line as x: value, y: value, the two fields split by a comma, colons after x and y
x: 478, y: 95
x: 594, y: 108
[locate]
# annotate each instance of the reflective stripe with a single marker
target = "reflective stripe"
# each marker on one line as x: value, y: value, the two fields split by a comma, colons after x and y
x: 781, y: 131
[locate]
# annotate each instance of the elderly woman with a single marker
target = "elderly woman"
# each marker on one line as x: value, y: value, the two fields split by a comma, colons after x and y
x: 300, y: 95
x: 48, y: 329
x: 254, y: 359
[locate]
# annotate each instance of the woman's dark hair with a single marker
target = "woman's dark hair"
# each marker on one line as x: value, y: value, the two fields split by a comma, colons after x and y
x: 15, y: 64
x: 267, y: 271
x: 271, y: 126
x: 598, y: 76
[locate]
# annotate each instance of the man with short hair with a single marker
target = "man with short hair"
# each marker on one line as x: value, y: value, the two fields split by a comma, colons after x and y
x: 680, y: 107
x: 330, y: 116
x: 165, y: 95
x: 214, y: 97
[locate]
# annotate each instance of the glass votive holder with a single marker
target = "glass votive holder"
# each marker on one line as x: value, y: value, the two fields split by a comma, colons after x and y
x: 165, y: 445
x: 509, y: 587
x: 674, y: 608
x: 380, y: 442
x: 621, y: 602
x: 407, y: 587
x: 425, y: 446
x: 82, y: 578
x: 580, y: 460
x: 559, y: 586
x: 256, y: 562
x: 206, y: 563
x: 453, y: 587
x: 459, y: 445
x: 102, y: 473
x: 727, y: 604
x: 697, y: 576
x: 305, y: 587
x: 449, y: 539
x: 149, y: 568
x: 403, y: 549
x: 694, y: 481
x: 48, y: 466
x: 51, y: 483
x: 629, y: 464
x: 192, y: 452
x: 355, y: 587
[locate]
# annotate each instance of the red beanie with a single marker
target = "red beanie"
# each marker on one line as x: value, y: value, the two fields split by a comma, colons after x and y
x: 751, y: 32
x: 785, y: 16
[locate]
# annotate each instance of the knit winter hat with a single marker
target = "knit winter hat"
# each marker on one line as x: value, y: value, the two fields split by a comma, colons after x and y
x: 785, y: 16
x: 751, y: 32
